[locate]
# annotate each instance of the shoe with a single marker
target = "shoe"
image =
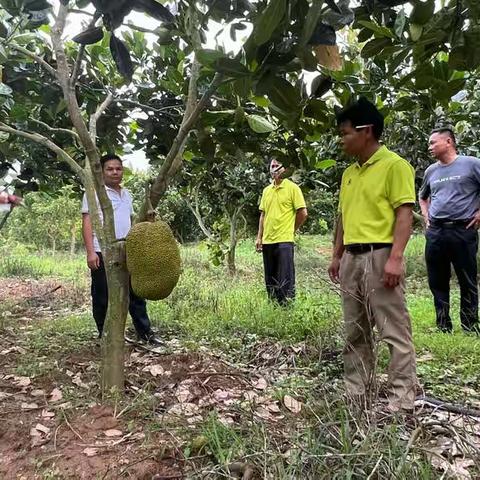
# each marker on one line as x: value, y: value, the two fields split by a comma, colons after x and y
x: 151, y: 339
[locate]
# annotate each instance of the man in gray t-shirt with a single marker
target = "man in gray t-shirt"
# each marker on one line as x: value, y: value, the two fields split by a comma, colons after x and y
x: 450, y: 201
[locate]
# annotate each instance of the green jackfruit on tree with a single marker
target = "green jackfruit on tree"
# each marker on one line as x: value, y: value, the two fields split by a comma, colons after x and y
x: 153, y: 260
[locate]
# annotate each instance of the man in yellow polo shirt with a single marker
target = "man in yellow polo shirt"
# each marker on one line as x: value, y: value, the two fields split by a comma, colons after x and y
x: 377, y: 195
x: 283, y: 211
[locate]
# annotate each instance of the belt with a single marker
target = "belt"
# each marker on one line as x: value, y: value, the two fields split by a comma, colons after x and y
x: 446, y: 222
x: 358, y: 248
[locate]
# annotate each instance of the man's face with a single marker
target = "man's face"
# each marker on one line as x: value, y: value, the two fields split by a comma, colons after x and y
x: 276, y: 168
x: 439, y: 144
x: 113, y: 173
x: 354, y: 139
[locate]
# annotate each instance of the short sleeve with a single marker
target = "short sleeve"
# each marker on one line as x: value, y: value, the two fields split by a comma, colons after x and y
x: 476, y: 169
x: 340, y: 195
x: 130, y: 199
x: 84, y: 204
x: 298, y: 200
x: 424, y: 192
x: 262, y: 202
x: 400, y: 187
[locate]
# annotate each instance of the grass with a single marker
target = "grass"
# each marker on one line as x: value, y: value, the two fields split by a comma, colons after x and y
x: 233, y: 316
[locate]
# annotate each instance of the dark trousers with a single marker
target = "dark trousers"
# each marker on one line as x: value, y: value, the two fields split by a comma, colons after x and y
x: 453, y: 245
x: 279, y: 271
x: 137, y: 306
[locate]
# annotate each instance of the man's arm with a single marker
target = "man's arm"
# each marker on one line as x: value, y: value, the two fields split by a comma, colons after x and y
x: 93, y: 261
x: 424, y: 206
x: 401, y: 234
x: 258, y: 241
x: 300, y: 217
x: 338, y: 249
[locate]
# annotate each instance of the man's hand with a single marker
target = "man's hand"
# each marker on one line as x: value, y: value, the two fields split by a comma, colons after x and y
x: 475, y: 223
x: 334, y: 270
x: 393, y: 272
x: 426, y: 222
x: 258, y: 244
x: 93, y: 261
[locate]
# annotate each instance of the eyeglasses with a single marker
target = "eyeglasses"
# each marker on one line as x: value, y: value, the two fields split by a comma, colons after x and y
x: 359, y: 127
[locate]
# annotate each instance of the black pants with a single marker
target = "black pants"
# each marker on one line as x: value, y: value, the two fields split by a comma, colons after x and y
x: 137, y: 306
x: 279, y: 271
x: 456, y: 245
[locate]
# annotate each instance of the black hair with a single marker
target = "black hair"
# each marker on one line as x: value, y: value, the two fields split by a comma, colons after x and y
x: 362, y: 112
x: 447, y: 130
x: 109, y: 156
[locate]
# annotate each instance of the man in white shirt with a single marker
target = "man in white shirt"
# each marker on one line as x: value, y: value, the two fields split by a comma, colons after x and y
x: 122, y: 211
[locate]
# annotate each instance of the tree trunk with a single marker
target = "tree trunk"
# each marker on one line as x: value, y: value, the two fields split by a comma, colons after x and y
x: 113, y: 376
x: 73, y: 241
x: 54, y: 246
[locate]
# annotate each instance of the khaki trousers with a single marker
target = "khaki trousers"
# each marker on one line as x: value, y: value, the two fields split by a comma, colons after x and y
x: 368, y: 303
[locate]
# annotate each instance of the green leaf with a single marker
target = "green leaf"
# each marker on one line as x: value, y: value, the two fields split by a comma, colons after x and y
x: 283, y: 95
x: 378, y: 30
x: 269, y: 21
x: 242, y: 87
x: 324, y: 164
x: 5, y: 90
x: 311, y: 22
x: 374, y: 47
x: 261, y: 101
x: 260, y: 124
x: 415, y: 31
x: 399, y: 25
x: 231, y: 67
x: 422, y: 12
x: 208, y: 57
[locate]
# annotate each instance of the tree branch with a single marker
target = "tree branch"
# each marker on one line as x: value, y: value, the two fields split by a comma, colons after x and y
x: 94, y: 118
x: 107, y: 233
x: 40, y: 139
x: 174, y: 157
x: 34, y: 57
x: 81, y: 53
x: 197, y: 214
x: 59, y: 130
x: 142, y: 106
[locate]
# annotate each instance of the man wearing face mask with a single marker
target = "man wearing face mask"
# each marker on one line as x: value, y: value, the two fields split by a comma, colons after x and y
x: 282, y: 212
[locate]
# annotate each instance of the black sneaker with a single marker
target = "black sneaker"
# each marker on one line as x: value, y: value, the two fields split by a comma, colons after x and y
x: 151, y: 339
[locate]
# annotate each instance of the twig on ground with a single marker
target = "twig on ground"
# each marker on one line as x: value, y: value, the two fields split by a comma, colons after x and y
x: 70, y: 427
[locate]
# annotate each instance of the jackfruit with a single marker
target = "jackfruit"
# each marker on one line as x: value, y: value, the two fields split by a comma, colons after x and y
x: 153, y: 260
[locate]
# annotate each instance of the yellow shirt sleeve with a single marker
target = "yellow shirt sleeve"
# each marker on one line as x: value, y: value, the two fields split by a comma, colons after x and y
x: 262, y: 202
x: 298, y: 200
x: 400, y: 184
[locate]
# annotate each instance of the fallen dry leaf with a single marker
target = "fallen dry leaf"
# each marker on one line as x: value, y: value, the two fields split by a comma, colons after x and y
x: 156, y: 370
x: 260, y: 384
x: 28, y: 406
x: 113, y: 433
x: 22, y: 381
x: 293, y: 405
x: 90, y: 451
x: 56, y: 395
x: 47, y: 414
x: 273, y: 407
x: 183, y: 393
x: 42, y: 428
x: 426, y: 357
x: 263, y: 413
x: 37, y: 393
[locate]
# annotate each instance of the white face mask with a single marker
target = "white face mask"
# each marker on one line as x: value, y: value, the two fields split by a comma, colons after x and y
x: 276, y: 170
